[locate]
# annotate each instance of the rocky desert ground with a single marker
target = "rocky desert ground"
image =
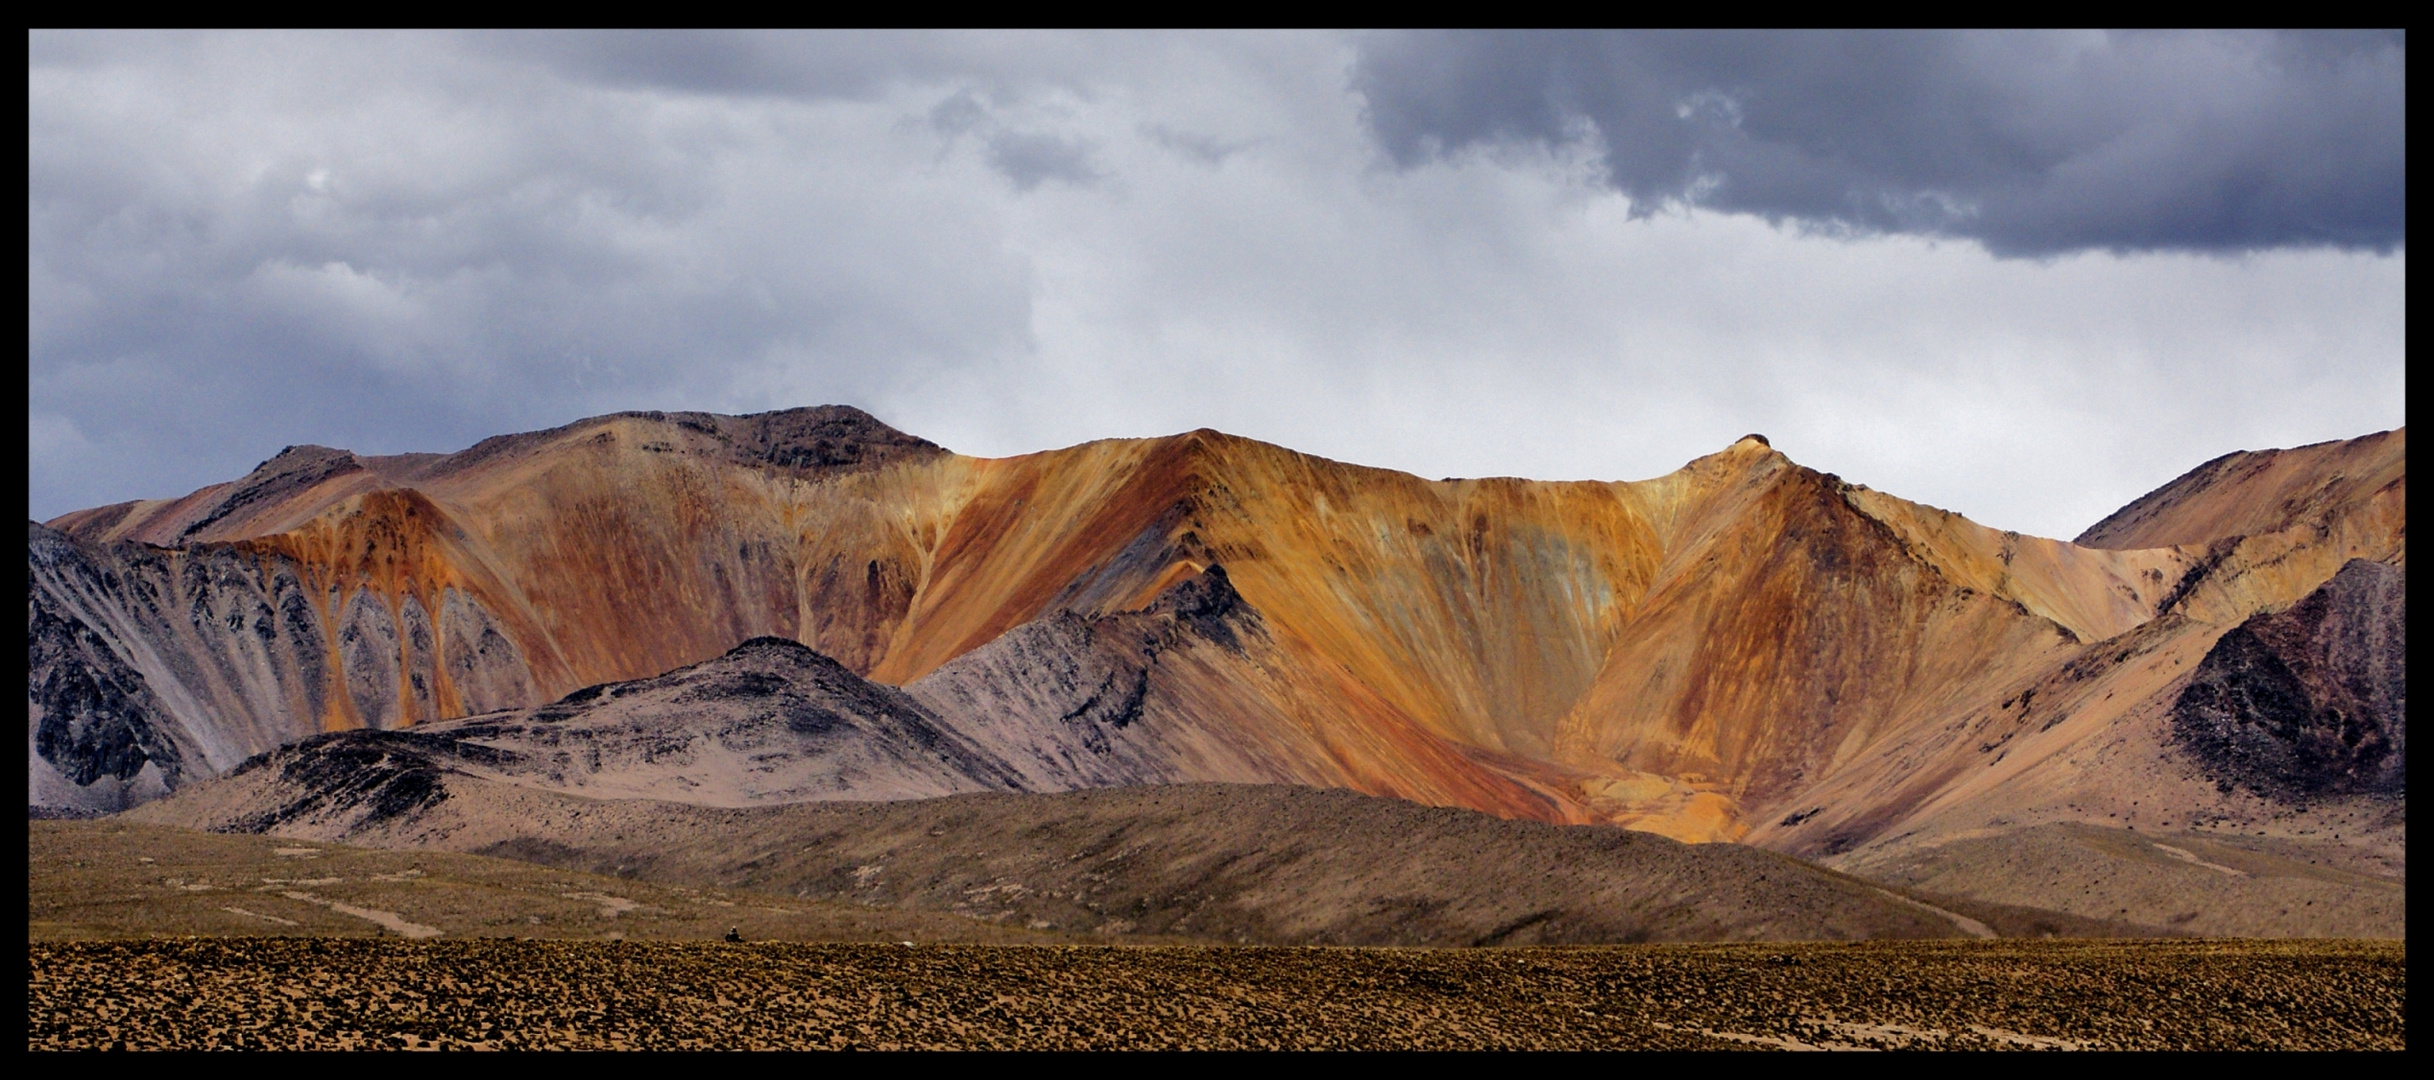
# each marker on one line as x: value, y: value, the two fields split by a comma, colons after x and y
x: 325, y: 993
x: 152, y: 937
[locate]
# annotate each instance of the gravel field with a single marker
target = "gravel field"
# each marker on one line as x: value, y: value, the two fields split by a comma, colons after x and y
x: 357, y: 992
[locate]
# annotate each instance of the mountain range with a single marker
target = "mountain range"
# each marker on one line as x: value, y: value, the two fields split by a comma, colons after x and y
x: 809, y: 606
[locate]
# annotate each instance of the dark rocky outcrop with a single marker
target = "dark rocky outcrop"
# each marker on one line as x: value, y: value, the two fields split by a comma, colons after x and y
x: 363, y: 777
x: 101, y: 738
x: 292, y: 470
x: 190, y: 660
x: 1206, y: 605
x: 98, y: 717
x: 1065, y: 702
x: 1072, y: 700
x: 813, y: 441
x: 2311, y: 700
x: 828, y: 437
x: 773, y: 720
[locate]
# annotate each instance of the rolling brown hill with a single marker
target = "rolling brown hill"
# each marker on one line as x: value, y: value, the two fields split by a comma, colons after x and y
x: 88, y: 880
x: 1744, y: 649
x: 1272, y: 864
x: 2203, y: 882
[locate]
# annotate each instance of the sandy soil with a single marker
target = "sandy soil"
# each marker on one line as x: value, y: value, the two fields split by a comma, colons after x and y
x: 2203, y: 883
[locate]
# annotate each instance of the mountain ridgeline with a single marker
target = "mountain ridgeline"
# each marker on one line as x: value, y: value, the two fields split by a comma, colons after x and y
x: 811, y: 606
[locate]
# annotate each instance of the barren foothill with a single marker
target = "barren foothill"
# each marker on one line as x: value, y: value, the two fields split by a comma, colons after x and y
x: 113, y: 879
x: 2203, y: 884
x: 1239, y: 863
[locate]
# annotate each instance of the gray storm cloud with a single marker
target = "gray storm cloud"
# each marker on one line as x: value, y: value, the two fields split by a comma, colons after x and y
x: 2034, y: 143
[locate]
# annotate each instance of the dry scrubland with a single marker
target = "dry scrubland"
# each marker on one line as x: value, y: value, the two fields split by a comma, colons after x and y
x: 304, y: 952
x: 108, y: 879
x: 336, y: 993
x: 2203, y: 884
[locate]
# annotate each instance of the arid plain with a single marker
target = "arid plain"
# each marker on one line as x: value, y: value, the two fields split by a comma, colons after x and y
x: 158, y: 937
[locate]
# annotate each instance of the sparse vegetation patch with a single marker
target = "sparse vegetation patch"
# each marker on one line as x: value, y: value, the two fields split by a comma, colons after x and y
x: 387, y: 993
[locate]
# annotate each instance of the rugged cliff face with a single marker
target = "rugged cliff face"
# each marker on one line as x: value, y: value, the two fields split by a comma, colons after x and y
x: 2227, y: 711
x: 98, y: 737
x: 2312, y: 700
x: 1744, y: 649
x: 196, y: 658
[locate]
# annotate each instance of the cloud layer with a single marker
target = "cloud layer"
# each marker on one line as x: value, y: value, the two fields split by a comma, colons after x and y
x: 2032, y: 143
x: 1007, y: 243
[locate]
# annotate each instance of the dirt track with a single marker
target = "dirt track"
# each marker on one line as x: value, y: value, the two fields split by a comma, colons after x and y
x: 335, y: 993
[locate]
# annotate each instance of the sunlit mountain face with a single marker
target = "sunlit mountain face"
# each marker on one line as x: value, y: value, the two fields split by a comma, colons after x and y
x: 1741, y: 650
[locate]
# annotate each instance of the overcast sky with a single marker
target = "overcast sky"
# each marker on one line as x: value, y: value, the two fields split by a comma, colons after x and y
x: 2024, y: 277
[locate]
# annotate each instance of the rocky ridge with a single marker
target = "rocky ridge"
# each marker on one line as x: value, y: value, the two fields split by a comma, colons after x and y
x: 2312, y: 700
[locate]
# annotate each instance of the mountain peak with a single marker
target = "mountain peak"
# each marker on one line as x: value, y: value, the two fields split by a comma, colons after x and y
x: 2248, y: 492
x: 770, y: 643
x: 822, y: 436
x: 291, y: 471
x: 817, y: 438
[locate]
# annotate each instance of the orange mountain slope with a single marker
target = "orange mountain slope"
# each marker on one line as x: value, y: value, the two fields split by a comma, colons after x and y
x: 1743, y: 649
x: 2249, y: 493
